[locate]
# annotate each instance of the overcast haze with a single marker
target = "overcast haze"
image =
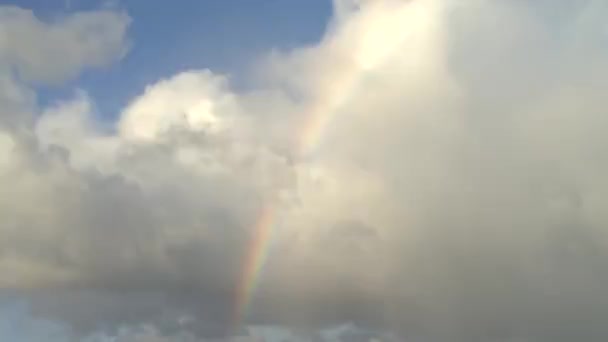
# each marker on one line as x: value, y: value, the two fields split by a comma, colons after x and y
x: 435, y: 171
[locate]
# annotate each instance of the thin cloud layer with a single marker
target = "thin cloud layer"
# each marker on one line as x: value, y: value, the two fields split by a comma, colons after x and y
x: 434, y: 168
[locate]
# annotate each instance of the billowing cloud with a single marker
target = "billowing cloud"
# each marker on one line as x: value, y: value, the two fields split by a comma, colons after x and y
x: 82, y: 40
x: 433, y: 168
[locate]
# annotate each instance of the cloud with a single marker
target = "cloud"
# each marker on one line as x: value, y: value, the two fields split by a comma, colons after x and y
x: 453, y: 192
x: 87, y: 39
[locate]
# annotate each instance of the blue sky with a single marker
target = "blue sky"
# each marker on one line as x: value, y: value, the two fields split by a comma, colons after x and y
x: 167, y: 37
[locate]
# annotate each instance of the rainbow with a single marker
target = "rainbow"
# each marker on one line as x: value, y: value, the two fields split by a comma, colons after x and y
x: 254, y: 261
x: 346, y: 83
x: 318, y: 118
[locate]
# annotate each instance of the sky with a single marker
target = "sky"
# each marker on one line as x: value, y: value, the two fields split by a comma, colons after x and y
x: 314, y: 171
x: 166, y: 38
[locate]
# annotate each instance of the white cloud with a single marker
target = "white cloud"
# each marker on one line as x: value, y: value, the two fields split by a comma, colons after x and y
x: 89, y: 39
x: 197, y: 101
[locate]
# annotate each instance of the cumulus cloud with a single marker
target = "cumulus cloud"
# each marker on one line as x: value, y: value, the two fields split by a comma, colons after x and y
x: 454, y: 191
x: 89, y: 39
